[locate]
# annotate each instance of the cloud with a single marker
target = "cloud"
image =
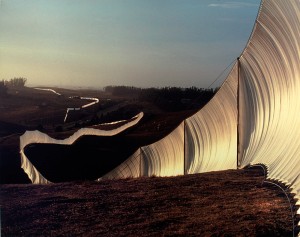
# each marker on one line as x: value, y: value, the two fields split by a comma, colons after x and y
x: 232, y: 5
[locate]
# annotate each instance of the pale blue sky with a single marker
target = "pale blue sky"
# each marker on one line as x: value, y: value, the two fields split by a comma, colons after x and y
x: 144, y: 43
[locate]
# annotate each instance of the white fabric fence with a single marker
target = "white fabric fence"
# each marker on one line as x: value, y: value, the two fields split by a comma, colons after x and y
x: 254, y: 117
x: 30, y: 137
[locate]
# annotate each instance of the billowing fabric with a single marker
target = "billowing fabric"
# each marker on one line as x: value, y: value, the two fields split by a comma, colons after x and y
x: 269, y: 121
x: 131, y: 168
x: 162, y: 158
x: 30, y: 137
x: 211, y: 134
x: 165, y: 157
x: 207, y: 141
x: 254, y: 118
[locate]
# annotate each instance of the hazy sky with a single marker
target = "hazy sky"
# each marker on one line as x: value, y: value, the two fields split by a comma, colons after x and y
x: 144, y: 43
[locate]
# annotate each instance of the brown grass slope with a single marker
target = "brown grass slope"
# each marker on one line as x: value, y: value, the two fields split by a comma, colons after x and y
x: 228, y: 203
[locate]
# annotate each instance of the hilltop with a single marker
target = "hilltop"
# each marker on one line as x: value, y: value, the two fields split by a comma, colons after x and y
x: 228, y: 203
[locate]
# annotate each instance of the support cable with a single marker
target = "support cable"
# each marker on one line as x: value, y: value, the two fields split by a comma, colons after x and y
x: 238, y: 113
x: 218, y: 77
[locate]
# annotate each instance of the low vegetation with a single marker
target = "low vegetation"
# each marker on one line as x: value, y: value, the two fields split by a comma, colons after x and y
x: 3, y: 88
x: 14, y: 82
x: 228, y: 203
x: 167, y: 98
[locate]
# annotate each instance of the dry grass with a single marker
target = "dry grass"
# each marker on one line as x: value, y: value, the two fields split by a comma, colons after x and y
x: 229, y: 203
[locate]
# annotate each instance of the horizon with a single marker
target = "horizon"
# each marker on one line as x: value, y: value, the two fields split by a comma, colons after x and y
x: 93, y: 44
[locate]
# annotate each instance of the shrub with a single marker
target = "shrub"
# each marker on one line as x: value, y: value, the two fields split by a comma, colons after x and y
x: 17, y: 82
x: 3, y: 88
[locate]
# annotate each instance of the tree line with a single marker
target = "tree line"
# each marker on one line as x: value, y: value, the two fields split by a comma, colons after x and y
x: 167, y: 98
x: 14, y: 82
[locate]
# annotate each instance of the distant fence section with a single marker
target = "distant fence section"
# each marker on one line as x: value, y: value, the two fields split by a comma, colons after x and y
x: 95, y: 101
x: 30, y: 137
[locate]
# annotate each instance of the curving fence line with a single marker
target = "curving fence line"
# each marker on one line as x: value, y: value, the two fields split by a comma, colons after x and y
x: 254, y: 117
x: 95, y: 101
x: 30, y: 137
x: 45, y: 89
x: 191, y: 147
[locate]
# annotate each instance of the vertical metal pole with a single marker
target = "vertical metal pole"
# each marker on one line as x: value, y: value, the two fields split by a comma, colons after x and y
x: 140, y: 162
x: 238, y: 112
x: 184, y: 166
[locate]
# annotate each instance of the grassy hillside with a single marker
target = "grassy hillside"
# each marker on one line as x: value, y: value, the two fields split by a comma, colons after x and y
x: 228, y: 203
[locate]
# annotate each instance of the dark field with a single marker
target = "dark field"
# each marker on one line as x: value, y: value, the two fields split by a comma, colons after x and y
x: 228, y: 203
x: 28, y: 109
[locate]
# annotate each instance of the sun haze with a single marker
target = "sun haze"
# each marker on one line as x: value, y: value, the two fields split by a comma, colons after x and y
x: 135, y: 42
